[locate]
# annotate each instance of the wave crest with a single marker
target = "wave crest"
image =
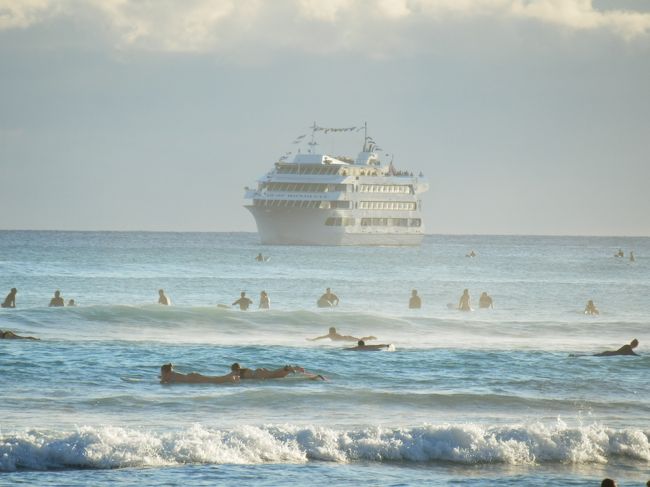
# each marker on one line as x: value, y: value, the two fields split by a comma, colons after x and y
x: 115, y: 447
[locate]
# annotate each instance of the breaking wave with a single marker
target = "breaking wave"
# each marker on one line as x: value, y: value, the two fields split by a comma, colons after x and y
x: 115, y: 447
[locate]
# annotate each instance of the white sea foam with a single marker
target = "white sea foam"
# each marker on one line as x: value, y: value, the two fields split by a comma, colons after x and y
x: 116, y: 447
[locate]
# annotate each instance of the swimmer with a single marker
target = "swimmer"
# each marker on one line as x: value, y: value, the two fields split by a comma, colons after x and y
x: 632, y: 259
x: 260, y: 257
x: 624, y: 350
x: 362, y: 347
x: 265, y: 302
x: 485, y: 301
x: 72, y: 303
x: 328, y: 300
x: 608, y: 483
x: 169, y: 376
x: 471, y: 254
x: 590, y: 308
x: 243, y: 302
x: 265, y: 374
x: 162, y: 299
x: 415, y: 302
x: 463, y: 303
x: 10, y: 300
x: 336, y: 337
x: 619, y: 253
x: 57, y: 300
x: 10, y: 335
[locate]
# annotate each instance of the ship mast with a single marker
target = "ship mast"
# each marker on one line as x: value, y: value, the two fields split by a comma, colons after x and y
x: 365, y: 137
x: 312, y: 143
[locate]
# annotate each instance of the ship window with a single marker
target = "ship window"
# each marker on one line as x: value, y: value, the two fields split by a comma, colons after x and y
x: 334, y: 221
x: 415, y: 222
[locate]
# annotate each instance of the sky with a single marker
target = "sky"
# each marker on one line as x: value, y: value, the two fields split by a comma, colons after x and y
x: 527, y: 116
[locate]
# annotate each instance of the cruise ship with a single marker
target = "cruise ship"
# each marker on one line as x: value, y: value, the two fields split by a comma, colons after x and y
x: 321, y: 199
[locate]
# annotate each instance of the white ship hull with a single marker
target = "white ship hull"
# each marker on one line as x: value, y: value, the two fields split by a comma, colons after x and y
x: 301, y: 226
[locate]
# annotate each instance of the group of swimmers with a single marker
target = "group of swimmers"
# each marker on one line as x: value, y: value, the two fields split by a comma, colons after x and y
x: 237, y: 373
x: 169, y: 376
x: 485, y: 301
x: 327, y: 300
x: 55, y: 302
x: 244, y: 302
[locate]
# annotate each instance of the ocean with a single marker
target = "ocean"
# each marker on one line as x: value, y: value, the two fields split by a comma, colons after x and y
x: 486, y: 397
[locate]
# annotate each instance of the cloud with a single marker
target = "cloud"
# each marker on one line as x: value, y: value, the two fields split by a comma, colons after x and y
x: 19, y: 14
x: 308, y: 25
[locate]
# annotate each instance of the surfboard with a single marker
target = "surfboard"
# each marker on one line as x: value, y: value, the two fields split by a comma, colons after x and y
x: 131, y: 380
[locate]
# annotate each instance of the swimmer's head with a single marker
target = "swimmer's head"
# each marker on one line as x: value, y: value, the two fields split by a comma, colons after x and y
x: 634, y: 343
x: 414, y: 292
x: 57, y: 293
x: 14, y: 290
x: 361, y: 343
x: 465, y: 291
x: 235, y: 367
x: 165, y: 372
x: 332, y: 330
x: 327, y: 290
x: 161, y: 291
x: 242, y: 294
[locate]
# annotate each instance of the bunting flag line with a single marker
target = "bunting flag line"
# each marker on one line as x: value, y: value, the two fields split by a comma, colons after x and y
x: 317, y: 128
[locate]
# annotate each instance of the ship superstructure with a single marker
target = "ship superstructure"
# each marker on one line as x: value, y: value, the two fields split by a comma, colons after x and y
x: 319, y: 199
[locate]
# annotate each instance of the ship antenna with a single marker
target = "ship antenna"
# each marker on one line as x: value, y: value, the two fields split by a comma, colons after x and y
x: 365, y: 136
x: 312, y: 142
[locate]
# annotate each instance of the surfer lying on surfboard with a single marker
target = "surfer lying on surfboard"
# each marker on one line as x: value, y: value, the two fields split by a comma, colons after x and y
x: 169, y: 376
x: 10, y: 335
x: 624, y: 350
x: 264, y: 374
x: 337, y: 337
